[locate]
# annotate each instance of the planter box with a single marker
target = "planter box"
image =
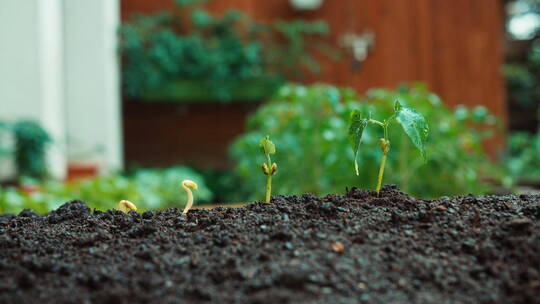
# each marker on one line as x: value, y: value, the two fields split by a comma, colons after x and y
x: 82, y: 171
x: 186, y: 91
x: 189, y: 122
x: 163, y: 134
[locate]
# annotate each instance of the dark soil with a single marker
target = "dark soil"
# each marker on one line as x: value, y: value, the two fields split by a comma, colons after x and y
x: 354, y: 248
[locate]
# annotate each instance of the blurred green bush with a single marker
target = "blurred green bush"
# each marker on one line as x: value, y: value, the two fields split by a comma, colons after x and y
x: 27, y: 142
x: 147, y: 188
x: 5, y: 132
x: 523, y: 157
x: 31, y: 142
x: 164, y: 53
x: 309, y: 127
x: 522, y: 83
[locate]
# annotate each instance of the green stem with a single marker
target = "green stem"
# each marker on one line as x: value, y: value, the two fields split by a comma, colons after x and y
x: 268, y: 187
x: 381, y: 173
x: 376, y: 122
x: 268, y: 179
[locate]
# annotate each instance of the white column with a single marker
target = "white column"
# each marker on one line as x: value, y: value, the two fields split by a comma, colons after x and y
x: 31, y: 82
x: 92, y: 82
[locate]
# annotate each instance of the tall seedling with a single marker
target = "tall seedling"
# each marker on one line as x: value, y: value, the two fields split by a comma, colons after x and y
x: 413, y: 123
x: 268, y: 168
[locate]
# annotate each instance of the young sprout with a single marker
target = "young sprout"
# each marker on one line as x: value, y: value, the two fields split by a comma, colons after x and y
x: 269, y: 168
x: 125, y: 205
x: 413, y: 123
x: 186, y: 184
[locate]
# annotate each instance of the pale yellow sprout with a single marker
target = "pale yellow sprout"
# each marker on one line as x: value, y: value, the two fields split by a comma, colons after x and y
x: 125, y: 206
x: 187, y: 184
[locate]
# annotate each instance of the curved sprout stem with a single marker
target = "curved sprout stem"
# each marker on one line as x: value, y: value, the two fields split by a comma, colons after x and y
x: 187, y: 184
x: 125, y: 205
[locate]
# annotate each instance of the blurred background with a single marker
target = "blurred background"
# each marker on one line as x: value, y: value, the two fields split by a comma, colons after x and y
x: 105, y: 100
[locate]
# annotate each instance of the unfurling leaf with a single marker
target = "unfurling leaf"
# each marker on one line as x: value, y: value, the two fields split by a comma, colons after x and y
x: 357, y: 124
x: 267, y: 146
x: 414, y: 125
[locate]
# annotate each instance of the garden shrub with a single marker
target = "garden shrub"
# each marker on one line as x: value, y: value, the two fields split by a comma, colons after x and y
x: 523, y: 157
x: 4, y: 139
x: 191, y: 44
x: 31, y: 142
x: 147, y: 188
x: 309, y: 124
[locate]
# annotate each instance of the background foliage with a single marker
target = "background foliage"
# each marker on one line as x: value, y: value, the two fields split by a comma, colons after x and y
x: 523, y: 78
x: 523, y: 158
x: 4, y: 141
x: 220, y: 51
x: 31, y: 142
x: 309, y: 127
x: 147, y: 188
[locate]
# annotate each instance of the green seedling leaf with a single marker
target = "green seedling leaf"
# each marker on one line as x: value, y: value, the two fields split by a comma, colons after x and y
x: 267, y: 146
x: 357, y: 124
x: 414, y: 125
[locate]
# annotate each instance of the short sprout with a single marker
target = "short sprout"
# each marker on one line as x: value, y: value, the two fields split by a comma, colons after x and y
x: 125, y: 205
x: 187, y: 184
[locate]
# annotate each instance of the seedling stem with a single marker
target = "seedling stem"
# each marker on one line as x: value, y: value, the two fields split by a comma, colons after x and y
x: 268, y: 168
x: 385, y: 148
x: 187, y: 184
x: 268, y: 180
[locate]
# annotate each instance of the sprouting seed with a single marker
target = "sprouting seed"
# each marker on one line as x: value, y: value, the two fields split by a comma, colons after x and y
x: 125, y: 206
x: 268, y: 168
x: 187, y: 184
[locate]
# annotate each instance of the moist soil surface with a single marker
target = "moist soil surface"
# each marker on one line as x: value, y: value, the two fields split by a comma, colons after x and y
x: 353, y: 248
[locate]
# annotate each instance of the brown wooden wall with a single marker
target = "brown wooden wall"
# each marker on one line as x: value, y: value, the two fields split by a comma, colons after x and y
x: 456, y: 46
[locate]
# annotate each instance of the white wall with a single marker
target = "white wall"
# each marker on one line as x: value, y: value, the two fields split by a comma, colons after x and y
x: 31, y: 80
x: 92, y: 83
x: 58, y: 66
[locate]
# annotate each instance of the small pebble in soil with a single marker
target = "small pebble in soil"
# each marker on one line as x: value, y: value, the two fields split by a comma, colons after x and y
x: 321, y: 235
x: 439, y: 208
x: 338, y: 247
x: 361, y: 285
x: 519, y: 222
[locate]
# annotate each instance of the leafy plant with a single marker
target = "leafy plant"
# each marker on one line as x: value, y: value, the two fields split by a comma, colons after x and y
x: 4, y: 133
x: 191, y: 44
x: 310, y: 123
x: 522, y: 82
x: 268, y: 168
x: 413, y: 123
x: 31, y: 142
x: 149, y: 188
x: 523, y: 157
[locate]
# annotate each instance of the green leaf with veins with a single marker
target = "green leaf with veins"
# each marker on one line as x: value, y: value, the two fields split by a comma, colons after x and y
x: 357, y: 124
x: 414, y: 125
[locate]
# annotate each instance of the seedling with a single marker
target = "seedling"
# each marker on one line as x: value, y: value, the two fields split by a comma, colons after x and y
x: 125, y: 205
x: 413, y: 123
x: 187, y: 184
x: 268, y: 168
